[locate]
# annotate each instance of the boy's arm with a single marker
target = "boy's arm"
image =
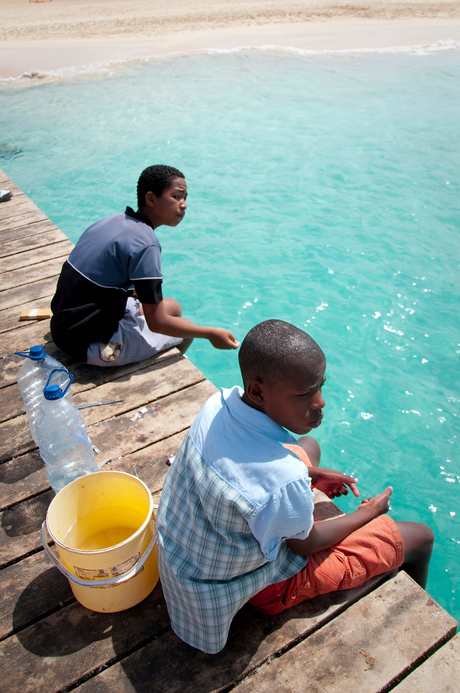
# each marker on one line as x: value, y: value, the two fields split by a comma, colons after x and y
x: 326, y: 534
x: 158, y: 320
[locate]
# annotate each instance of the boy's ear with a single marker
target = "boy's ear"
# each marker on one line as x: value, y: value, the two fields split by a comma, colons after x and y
x: 150, y: 199
x: 254, y: 392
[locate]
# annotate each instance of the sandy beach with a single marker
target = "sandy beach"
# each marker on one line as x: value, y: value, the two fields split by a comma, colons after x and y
x: 54, y: 34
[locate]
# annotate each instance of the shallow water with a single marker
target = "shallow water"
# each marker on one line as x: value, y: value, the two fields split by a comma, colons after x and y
x: 323, y: 190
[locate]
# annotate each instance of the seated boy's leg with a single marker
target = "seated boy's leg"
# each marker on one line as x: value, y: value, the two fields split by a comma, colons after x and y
x: 312, y: 448
x: 374, y: 549
x: 136, y: 341
x: 418, y: 544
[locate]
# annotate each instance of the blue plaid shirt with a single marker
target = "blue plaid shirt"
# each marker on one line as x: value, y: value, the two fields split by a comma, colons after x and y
x: 231, y: 498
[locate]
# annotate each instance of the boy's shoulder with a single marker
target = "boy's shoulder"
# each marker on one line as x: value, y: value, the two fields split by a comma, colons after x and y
x: 244, y: 447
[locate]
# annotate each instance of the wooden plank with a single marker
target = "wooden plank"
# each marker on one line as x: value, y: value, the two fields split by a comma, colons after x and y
x: 17, y: 206
x: 16, y: 221
x: 20, y: 532
x: 30, y: 258
x: 167, y: 665
x: 121, y: 435
x: 7, y: 184
x: 150, y: 463
x: 17, y: 195
x: 143, y: 387
x: 22, y: 478
x: 36, y: 314
x: 20, y: 245
x: 20, y: 524
x: 50, y: 268
x: 29, y: 590
x: 44, y: 657
x: 32, y: 231
x: 377, y: 641
x: 60, y: 649
x: 20, y: 295
x: 85, y: 376
x: 25, y: 476
x: 441, y: 672
x: 25, y: 336
x: 9, y: 318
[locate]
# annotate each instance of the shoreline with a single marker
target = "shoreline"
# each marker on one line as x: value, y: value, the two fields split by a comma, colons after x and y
x: 45, y: 56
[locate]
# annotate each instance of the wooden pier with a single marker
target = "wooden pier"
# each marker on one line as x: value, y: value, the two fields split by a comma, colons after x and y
x: 386, y: 636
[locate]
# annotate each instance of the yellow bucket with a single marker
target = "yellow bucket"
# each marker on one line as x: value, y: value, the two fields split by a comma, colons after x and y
x: 103, y: 526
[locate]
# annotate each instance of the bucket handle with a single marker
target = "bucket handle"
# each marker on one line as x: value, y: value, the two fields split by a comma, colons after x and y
x: 97, y: 582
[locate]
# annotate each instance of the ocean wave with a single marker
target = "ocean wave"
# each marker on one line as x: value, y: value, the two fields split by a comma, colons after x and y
x: 115, y: 67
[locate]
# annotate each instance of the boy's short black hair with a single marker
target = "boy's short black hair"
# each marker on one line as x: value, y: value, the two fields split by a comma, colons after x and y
x: 274, y: 350
x: 155, y: 179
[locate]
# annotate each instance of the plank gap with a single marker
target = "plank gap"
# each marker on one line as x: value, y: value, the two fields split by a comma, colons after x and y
x: 23, y: 500
x: 148, y: 445
x: 273, y: 656
x: 113, y: 660
x: 18, y: 559
x: 419, y: 660
x: 37, y: 619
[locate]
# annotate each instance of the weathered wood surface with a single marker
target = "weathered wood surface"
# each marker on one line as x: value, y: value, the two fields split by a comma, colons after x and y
x: 50, y: 643
x: 138, y: 390
x: 29, y: 232
x: 85, y: 377
x: 21, y: 220
x: 18, y: 296
x: 441, y: 672
x: 29, y: 258
x: 9, y: 318
x: 42, y: 270
x: 369, y: 647
x: 38, y: 240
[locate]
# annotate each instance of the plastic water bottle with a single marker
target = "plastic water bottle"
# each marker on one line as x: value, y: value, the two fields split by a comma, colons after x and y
x: 32, y: 377
x: 62, y: 438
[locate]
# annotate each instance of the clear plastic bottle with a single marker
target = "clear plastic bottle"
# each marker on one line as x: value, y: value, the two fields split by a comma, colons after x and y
x: 62, y: 438
x: 32, y: 377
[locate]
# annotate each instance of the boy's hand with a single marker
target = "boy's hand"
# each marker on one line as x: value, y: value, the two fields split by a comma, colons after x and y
x: 332, y: 483
x: 222, y: 339
x: 378, y: 505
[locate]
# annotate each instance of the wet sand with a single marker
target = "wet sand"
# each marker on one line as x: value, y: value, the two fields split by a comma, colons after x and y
x: 47, y: 36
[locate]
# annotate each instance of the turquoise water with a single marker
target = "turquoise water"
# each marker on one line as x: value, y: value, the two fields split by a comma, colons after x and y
x: 323, y: 190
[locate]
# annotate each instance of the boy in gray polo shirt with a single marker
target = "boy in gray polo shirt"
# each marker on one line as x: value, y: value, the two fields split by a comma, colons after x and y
x: 109, y: 309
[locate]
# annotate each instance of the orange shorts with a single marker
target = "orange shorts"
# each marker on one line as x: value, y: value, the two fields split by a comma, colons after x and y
x: 371, y: 550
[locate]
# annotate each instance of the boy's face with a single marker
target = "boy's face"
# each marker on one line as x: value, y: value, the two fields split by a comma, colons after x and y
x: 297, y: 403
x: 168, y: 209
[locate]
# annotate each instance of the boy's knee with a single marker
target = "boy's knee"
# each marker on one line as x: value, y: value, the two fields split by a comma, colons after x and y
x: 428, y: 536
x: 425, y: 536
x: 418, y: 538
x: 312, y: 448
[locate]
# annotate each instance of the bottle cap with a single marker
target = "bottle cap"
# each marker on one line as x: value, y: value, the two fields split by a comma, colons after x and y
x: 35, y: 353
x: 53, y: 392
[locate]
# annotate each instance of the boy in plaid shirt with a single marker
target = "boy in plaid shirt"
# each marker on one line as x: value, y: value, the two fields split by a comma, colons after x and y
x: 235, y: 522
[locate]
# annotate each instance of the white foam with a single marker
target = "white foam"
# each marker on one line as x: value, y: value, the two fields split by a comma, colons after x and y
x: 112, y: 68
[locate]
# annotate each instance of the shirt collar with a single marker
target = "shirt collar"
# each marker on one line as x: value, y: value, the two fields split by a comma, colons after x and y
x: 254, y: 418
x: 139, y: 216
